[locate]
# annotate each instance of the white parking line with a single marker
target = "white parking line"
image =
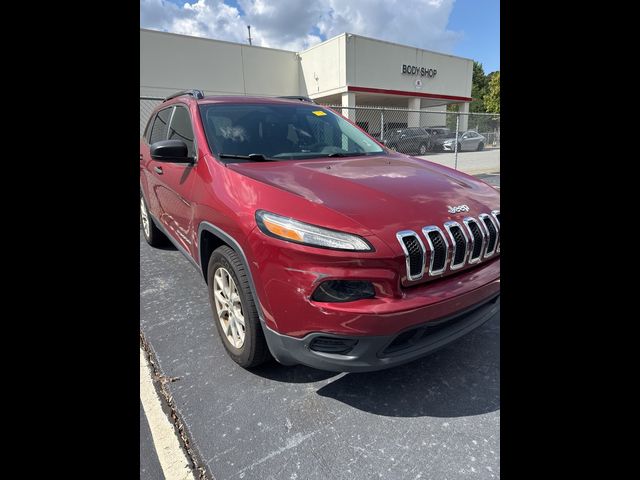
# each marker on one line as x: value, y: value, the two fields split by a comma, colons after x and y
x: 173, y: 460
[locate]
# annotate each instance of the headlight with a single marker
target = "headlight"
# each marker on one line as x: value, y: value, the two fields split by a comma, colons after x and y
x: 299, y: 232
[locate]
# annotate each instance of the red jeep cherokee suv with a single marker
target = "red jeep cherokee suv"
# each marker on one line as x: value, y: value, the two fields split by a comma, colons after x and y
x: 317, y: 244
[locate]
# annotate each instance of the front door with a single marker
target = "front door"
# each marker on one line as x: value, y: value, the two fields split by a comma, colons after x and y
x: 174, y: 182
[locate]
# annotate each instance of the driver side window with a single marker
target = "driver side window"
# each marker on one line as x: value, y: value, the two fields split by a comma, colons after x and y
x: 181, y: 129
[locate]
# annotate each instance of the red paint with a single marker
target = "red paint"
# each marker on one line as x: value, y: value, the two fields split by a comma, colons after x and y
x: 403, y: 93
x: 374, y: 197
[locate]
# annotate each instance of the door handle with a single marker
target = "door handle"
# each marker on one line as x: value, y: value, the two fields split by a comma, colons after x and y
x: 158, y: 170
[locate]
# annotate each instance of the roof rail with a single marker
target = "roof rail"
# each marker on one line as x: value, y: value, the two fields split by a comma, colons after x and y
x: 197, y: 94
x: 297, y: 97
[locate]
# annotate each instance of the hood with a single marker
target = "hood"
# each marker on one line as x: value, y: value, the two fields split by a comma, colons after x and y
x: 384, y: 194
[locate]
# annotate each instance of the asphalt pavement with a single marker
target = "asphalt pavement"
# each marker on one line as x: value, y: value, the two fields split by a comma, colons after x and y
x: 438, y: 417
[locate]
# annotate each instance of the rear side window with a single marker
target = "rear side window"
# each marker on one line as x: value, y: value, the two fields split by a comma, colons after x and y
x: 180, y: 129
x: 160, y: 126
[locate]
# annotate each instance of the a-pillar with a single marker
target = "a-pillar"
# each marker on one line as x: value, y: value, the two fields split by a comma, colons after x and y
x: 349, y: 100
x: 464, y: 119
x: 414, y: 117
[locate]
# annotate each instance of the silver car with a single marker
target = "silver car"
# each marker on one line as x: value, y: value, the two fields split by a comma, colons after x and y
x: 469, y: 140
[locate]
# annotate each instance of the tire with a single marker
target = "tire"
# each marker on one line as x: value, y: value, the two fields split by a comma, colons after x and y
x: 251, y: 350
x: 480, y: 146
x: 459, y: 147
x: 422, y: 150
x: 152, y: 234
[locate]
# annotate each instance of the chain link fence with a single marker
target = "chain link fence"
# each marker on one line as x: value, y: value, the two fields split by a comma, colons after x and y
x: 442, y: 137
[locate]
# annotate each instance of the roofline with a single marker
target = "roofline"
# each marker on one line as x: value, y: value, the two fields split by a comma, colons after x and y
x: 322, y: 43
x: 398, y: 45
x: 344, y: 34
x: 215, y: 40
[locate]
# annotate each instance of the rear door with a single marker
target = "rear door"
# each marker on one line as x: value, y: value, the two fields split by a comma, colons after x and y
x: 173, y: 182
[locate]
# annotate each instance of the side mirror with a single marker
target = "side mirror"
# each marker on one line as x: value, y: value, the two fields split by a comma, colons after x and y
x: 173, y: 151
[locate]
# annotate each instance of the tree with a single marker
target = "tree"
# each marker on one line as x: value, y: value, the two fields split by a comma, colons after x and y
x: 492, y: 98
x: 479, y: 88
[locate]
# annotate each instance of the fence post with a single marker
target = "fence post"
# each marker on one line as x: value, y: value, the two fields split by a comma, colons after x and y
x: 456, y: 144
x: 382, y: 125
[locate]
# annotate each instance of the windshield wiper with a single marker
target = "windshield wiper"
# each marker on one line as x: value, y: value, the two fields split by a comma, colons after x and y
x: 252, y: 156
x: 346, y: 154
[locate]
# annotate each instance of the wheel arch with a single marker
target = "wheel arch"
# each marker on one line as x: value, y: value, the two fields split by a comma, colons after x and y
x: 211, y: 237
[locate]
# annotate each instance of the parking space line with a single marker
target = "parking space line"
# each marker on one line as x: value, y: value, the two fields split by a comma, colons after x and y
x: 173, y: 460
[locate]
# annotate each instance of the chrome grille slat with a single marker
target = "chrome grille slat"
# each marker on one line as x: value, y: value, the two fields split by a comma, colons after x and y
x: 410, y: 257
x: 492, y: 234
x: 459, y: 243
x: 496, y: 216
x: 475, y: 231
x: 434, y: 236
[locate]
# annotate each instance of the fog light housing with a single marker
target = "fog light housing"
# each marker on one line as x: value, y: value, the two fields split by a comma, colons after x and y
x: 338, y: 291
x: 340, y: 346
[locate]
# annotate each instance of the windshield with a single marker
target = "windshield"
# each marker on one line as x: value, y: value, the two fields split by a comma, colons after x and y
x: 282, y: 132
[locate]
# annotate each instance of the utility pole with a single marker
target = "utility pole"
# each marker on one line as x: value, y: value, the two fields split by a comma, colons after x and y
x: 249, y: 28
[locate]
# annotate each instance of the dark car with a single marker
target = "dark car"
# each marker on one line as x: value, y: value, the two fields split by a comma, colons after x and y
x: 408, y: 140
x: 317, y: 245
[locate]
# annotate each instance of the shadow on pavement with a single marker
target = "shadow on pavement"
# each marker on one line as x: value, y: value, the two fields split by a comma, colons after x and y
x: 460, y: 380
x: 272, y: 370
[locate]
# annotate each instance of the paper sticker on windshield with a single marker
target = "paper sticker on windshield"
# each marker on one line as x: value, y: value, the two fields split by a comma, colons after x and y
x: 319, y: 113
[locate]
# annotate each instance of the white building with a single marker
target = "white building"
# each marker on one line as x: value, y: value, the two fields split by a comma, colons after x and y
x: 348, y: 70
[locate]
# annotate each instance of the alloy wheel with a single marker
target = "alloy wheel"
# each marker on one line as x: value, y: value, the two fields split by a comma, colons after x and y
x: 145, y: 217
x: 229, y: 307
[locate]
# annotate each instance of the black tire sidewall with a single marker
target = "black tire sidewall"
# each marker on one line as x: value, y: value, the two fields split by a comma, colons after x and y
x: 223, y: 257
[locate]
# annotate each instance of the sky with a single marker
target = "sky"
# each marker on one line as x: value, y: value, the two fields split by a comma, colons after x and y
x: 467, y: 28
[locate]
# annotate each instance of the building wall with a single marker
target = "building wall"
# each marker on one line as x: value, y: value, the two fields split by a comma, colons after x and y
x: 169, y: 63
x: 326, y: 62
x: 378, y: 64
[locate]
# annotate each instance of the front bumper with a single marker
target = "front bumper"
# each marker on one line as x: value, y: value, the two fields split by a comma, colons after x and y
x: 382, y: 351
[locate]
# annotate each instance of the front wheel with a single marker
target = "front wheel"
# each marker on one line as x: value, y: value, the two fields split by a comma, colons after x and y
x: 480, y: 146
x: 234, y: 309
x: 423, y: 149
x: 459, y: 147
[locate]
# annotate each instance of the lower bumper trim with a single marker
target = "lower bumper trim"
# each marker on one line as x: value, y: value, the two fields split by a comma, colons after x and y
x: 371, y: 353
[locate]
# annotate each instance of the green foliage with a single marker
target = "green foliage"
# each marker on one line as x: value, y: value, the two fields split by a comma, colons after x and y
x: 492, y: 98
x: 479, y: 86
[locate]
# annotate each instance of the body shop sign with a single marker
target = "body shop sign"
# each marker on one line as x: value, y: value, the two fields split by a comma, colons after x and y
x: 422, y: 71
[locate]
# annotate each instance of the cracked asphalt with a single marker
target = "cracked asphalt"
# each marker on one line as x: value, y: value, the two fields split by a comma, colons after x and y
x: 438, y: 417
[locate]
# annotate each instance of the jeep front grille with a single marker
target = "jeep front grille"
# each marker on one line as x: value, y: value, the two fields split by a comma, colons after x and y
x: 471, y: 242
